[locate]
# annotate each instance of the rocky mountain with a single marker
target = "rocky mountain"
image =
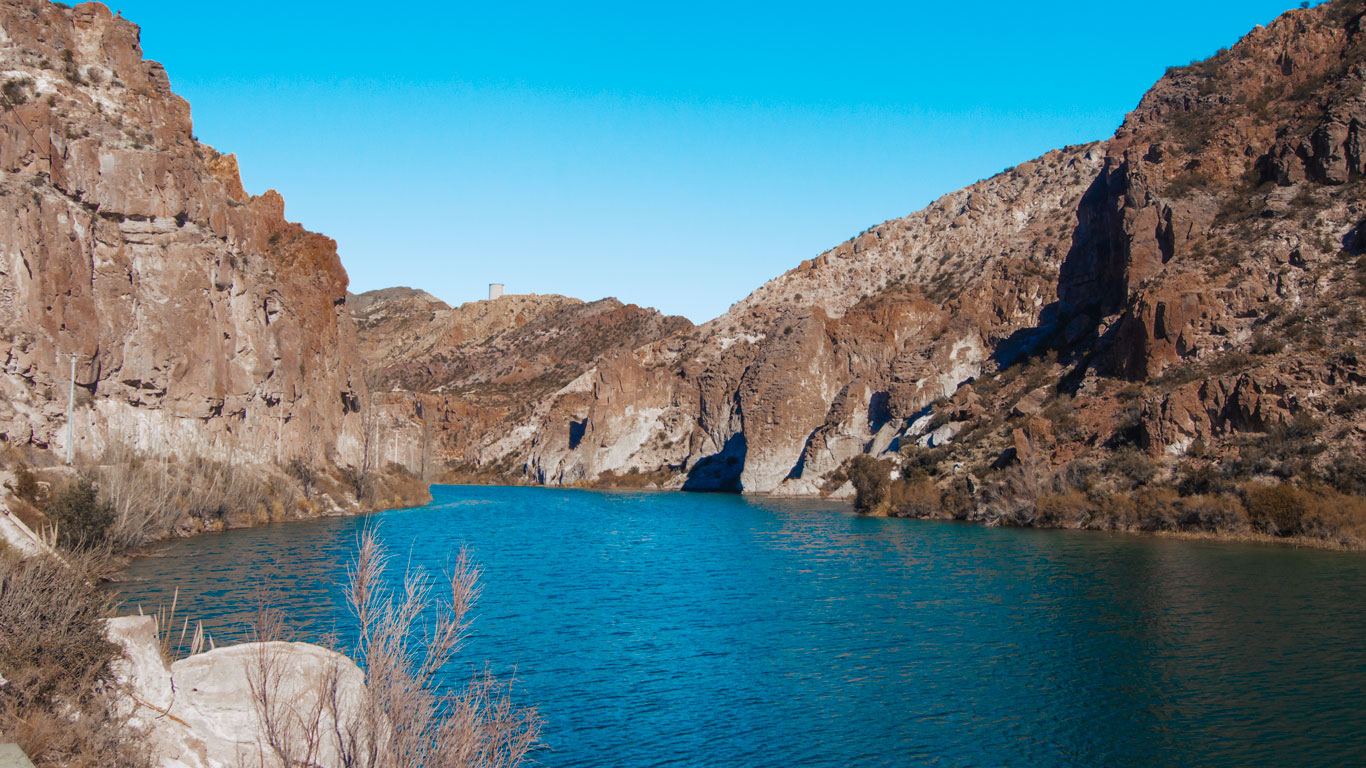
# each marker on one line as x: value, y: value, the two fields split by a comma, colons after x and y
x: 203, y: 324
x: 455, y: 380
x: 1180, y: 292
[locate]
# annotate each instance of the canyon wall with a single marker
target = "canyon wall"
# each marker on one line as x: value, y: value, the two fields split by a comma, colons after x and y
x: 1194, y: 280
x: 202, y: 323
x: 452, y: 382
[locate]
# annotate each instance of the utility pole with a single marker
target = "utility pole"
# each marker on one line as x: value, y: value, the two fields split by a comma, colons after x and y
x: 71, y: 413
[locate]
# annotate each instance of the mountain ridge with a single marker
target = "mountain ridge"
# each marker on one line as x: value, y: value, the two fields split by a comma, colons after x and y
x: 1145, y: 299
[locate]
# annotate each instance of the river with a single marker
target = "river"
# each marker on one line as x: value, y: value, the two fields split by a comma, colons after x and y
x: 657, y: 629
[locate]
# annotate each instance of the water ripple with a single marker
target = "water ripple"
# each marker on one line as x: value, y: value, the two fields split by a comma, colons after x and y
x: 701, y: 630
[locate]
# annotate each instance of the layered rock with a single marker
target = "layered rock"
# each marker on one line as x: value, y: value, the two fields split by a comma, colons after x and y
x: 834, y: 358
x: 202, y: 323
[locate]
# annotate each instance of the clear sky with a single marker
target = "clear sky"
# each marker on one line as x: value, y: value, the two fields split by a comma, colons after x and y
x: 671, y: 155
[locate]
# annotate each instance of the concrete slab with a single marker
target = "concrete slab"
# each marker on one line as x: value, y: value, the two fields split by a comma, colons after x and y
x: 11, y: 756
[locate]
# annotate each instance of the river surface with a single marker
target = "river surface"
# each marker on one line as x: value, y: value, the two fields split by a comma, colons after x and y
x: 657, y: 629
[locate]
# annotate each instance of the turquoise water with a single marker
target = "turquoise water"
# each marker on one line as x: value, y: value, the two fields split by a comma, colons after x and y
x: 714, y: 630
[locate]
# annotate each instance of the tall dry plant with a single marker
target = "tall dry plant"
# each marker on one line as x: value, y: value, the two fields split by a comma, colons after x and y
x: 61, y: 700
x: 399, y: 717
x: 151, y: 496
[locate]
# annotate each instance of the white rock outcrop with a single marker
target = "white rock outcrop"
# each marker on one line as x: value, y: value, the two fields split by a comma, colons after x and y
x: 200, y: 712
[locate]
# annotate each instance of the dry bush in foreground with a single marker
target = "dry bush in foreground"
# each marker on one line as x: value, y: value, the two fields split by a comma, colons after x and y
x: 60, y: 702
x: 399, y: 718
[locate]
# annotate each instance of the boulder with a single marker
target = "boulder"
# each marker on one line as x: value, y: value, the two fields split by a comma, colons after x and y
x: 200, y: 712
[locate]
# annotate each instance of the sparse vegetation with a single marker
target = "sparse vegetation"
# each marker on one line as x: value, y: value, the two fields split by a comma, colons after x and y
x: 60, y: 699
x: 403, y: 720
x: 302, y: 471
x: 152, y: 498
x: 872, y: 482
x: 17, y: 90
x: 83, y: 520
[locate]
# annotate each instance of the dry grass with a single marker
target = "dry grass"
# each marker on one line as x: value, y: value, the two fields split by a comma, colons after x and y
x: 61, y: 702
x: 634, y: 479
x: 402, y: 719
x: 152, y: 497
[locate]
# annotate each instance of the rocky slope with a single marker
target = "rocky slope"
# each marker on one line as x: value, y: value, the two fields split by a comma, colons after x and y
x: 453, y: 381
x: 203, y: 324
x: 1184, y: 289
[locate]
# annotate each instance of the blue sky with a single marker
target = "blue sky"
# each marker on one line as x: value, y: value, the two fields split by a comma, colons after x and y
x: 674, y: 156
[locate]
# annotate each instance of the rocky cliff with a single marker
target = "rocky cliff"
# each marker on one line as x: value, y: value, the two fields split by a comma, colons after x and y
x: 202, y: 323
x: 453, y: 381
x: 1183, y: 290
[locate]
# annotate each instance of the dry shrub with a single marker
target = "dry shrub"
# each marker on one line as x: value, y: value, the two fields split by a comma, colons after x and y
x: 1115, y: 512
x: 1213, y: 514
x: 872, y: 483
x: 1130, y: 466
x: 152, y: 497
x: 1010, y: 496
x: 397, y: 487
x: 61, y: 702
x: 1276, y: 509
x: 402, y: 720
x: 1318, y: 513
x: 25, y: 484
x: 1157, y: 509
x: 918, y: 497
x: 957, y: 500
x: 1347, y: 474
x: 1071, y: 509
x: 1335, y: 517
x: 302, y: 471
x: 635, y: 478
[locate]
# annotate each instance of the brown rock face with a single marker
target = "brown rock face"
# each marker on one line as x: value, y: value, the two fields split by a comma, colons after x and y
x: 203, y: 323
x: 838, y: 357
x: 1195, y: 279
x: 459, y: 381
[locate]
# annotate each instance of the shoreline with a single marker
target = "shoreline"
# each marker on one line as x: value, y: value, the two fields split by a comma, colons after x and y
x: 1246, y: 537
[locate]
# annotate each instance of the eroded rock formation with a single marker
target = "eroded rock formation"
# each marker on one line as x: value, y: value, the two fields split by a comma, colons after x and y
x: 202, y: 323
x: 1195, y: 279
x: 451, y: 382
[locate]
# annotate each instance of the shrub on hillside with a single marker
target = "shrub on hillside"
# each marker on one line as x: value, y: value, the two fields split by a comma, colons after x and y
x: 25, y: 484
x: 1202, y: 479
x: 1347, y: 474
x: 1157, y: 509
x: 1213, y: 514
x: 1336, y: 517
x: 82, y: 519
x: 151, y: 497
x: 1276, y: 509
x: 1131, y: 466
x: 59, y: 701
x: 1070, y: 509
x: 919, y: 462
x: 302, y: 471
x: 1115, y: 512
x: 956, y: 499
x: 916, y: 497
x: 872, y: 482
